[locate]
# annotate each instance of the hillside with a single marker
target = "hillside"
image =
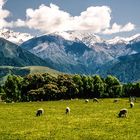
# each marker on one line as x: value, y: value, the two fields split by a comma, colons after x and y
x: 66, y: 55
x: 126, y: 68
x: 22, y: 71
x: 12, y: 55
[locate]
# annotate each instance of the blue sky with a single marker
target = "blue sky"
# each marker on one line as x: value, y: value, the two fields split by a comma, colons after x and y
x: 121, y: 16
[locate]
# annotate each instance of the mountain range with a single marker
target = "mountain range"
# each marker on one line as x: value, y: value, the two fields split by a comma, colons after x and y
x: 86, y: 53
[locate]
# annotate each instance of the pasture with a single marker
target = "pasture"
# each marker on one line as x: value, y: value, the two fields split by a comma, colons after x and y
x: 86, y: 121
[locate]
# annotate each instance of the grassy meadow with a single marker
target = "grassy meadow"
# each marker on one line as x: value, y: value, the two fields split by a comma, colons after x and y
x: 87, y: 121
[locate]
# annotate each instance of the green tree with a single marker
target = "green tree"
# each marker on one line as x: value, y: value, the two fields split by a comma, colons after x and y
x: 99, y: 86
x: 12, y: 87
x: 113, y: 86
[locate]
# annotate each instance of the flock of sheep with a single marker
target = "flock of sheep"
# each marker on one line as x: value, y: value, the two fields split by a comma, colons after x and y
x: 123, y: 112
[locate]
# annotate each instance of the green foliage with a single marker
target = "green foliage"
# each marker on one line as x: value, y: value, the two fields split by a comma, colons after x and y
x: 113, y: 86
x: 98, y: 86
x: 34, y: 87
x: 12, y: 87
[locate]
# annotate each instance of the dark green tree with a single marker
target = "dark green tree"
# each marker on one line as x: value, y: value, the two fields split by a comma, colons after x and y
x: 12, y: 87
x: 113, y: 87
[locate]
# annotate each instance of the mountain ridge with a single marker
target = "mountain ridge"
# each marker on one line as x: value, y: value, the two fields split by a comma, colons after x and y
x: 82, y: 53
x: 14, y: 37
x: 13, y: 55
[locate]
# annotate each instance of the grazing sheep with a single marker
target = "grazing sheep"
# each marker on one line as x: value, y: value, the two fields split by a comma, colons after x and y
x: 131, y: 104
x: 39, y: 112
x: 86, y: 101
x: 115, y: 100
x: 67, y: 110
x: 95, y: 100
x: 123, y: 112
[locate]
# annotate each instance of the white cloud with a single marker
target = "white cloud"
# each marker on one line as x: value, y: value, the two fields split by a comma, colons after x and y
x: 2, y: 2
x: 128, y: 27
x: 119, y: 28
x: 19, y: 23
x: 51, y: 18
x: 3, y: 15
x: 48, y: 19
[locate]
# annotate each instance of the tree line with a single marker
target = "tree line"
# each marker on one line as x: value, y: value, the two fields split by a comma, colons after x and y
x: 37, y: 87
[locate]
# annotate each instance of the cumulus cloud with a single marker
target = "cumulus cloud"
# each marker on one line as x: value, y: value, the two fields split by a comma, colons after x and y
x: 51, y: 19
x: 119, y: 28
x: 3, y: 15
x: 48, y: 19
x: 2, y: 2
x: 19, y: 23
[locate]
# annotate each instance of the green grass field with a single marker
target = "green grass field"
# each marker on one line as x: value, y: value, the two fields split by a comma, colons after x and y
x: 87, y: 121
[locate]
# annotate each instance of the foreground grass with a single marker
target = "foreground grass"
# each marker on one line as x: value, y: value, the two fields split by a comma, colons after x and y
x: 87, y: 121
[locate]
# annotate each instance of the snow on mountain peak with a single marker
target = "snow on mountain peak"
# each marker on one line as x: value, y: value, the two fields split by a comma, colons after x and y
x: 90, y: 38
x: 15, y: 37
x: 134, y: 38
x: 124, y: 40
x: 118, y: 40
x: 86, y: 37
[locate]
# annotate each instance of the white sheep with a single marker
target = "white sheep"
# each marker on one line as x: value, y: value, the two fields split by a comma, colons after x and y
x: 131, y: 104
x: 123, y: 112
x: 39, y: 112
x: 86, y: 101
x: 95, y: 100
x: 67, y: 110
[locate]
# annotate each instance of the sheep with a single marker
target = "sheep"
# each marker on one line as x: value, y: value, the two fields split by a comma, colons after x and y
x: 123, y: 112
x: 67, y: 110
x: 39, y: 112
x: 115, y: 100
x: 86, y: 101
x: 131, y: 104
x: 95, y: 100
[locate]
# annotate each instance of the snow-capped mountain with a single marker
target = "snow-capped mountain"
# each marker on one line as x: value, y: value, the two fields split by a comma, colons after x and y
x: 115, y: 47
x: 117, y: 40
x: 127, y: 40
x: 14, y: 37
x: 64, y: 55
x: 91, y: 39
x: 74, y: 51
x: 87, y: 38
